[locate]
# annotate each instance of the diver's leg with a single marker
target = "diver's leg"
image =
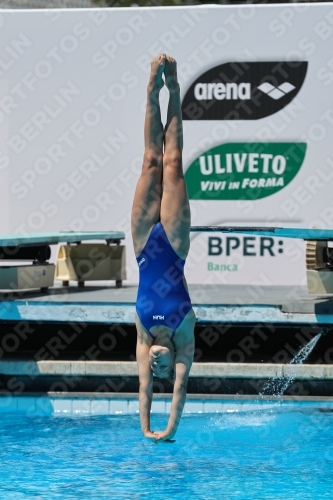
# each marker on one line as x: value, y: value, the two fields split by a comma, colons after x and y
x: 175, y: 208
x: 147, y: 198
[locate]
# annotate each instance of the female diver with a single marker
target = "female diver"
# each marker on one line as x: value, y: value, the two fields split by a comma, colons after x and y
x: 160, y: 228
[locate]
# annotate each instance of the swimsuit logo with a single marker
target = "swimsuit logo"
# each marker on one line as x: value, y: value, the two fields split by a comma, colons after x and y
x: 158, y: 317
x: 141, y: 261
x: 244, y: 171
x: 243, y: 90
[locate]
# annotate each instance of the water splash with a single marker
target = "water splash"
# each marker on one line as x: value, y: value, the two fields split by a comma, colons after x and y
x: 279, y: 384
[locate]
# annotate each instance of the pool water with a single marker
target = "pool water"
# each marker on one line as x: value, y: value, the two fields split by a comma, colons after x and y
x: 266, y: 454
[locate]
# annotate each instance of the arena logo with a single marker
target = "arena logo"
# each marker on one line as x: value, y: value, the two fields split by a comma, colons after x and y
x: 276, y: 92
x: 243, y: 91
x: 219, y: 91
x: 244, y: 171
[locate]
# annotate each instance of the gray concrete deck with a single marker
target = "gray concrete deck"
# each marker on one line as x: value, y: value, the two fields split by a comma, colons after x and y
x: 212, y: 303
x: 201, y: 370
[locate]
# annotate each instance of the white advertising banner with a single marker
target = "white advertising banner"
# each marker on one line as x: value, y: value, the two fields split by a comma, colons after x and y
x: 257, y: 103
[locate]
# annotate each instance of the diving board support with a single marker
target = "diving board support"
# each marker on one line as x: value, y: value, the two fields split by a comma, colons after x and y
x: 27, y: 276
x: 319, y: 267
x: 94, y: 261
x: 91, y: 262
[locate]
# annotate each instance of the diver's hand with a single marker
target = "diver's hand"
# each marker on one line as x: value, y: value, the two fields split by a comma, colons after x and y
x: 163, y: 436
x: 150, y: 435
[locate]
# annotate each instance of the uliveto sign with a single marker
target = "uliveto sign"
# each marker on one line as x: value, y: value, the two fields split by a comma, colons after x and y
x: 243, y: 91
x: 244, y: 171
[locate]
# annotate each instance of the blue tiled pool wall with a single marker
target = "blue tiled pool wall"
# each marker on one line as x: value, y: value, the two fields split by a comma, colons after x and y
x: 71, y: 406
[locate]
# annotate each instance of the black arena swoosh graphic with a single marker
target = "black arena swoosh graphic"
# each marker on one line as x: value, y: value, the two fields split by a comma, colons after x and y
x: 243, y: 90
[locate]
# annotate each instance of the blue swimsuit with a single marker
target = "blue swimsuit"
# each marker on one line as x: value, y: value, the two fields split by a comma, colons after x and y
x: 162, y: 297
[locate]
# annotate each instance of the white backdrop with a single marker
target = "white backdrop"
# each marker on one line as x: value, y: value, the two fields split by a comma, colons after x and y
x: 73, y: 87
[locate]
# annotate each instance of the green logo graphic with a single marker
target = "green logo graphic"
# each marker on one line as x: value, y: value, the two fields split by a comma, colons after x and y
x: 244, y: 171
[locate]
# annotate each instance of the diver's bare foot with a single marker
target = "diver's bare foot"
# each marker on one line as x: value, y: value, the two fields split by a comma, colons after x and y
x: 157, y: 68
x: 170, y: 72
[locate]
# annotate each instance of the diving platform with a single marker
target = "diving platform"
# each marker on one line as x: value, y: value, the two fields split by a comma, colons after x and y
x: 231, y: 304
x: 18, y: 240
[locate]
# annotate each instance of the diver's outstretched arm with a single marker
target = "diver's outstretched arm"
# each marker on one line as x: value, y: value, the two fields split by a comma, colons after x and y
x: 146, y: 384
x: 183, y: 363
